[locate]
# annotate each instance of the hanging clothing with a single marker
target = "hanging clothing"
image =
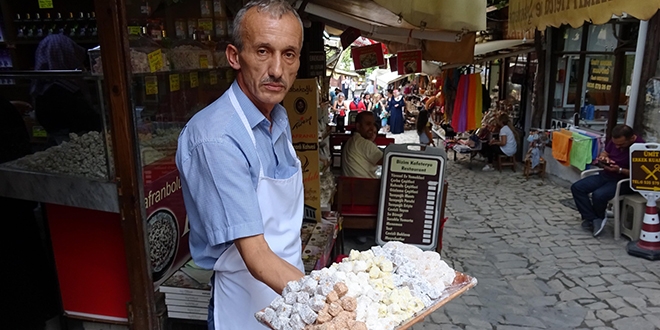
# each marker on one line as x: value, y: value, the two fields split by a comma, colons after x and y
x: 561, y: 146
x: 396, y: 107
x: 580, y: 154
x: 471, y: 102
x: 478, y: 104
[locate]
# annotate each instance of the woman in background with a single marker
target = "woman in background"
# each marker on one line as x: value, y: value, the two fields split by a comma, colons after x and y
x: 396, y: 107
x: 339, y: 108
x: 506, y: 144
x: 424, y: 129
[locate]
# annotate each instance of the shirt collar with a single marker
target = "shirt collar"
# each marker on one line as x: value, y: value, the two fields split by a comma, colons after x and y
x: 254, y: 116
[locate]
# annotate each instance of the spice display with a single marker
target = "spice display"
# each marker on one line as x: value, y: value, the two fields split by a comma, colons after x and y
x: 139, y: 63
x: 376, y: 289
x: 82, y: 155
x: 186, y: 57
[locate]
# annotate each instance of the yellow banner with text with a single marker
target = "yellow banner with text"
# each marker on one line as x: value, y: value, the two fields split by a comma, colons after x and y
x: 528, y: 15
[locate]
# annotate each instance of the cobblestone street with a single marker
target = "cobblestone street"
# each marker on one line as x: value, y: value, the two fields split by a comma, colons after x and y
x: 536, y: 267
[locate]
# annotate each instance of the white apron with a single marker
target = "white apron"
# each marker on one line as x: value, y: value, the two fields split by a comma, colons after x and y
x: 236, y: 294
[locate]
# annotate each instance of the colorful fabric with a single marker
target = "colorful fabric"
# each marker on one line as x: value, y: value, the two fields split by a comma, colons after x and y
x: 471, y: 101
x: 580, y: 154
x: 479, y: 102
x: 561, y: 146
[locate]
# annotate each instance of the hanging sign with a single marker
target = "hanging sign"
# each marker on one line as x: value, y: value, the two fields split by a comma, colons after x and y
x: 645, y: 167
x: 203, y: 62
x: 213, y: 78
x: 367, y: 56
x: 348, y: 36
x: 151, y: 83
x: 194, y: 79
x: 155, y: 60
x: 175, y: 82
x: 393, y: 64
x: 409, y: 61
x: 45, y: 4
x: 411, y: 195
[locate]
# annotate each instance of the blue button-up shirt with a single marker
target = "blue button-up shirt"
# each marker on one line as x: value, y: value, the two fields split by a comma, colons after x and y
x: 219, y: 170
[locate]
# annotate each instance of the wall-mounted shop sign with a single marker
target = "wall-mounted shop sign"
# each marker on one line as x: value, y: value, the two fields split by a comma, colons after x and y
x: 411, y: 196
x: 527, y: 15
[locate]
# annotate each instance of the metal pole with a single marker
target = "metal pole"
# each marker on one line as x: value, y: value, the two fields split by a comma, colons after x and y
x: 637, y: 73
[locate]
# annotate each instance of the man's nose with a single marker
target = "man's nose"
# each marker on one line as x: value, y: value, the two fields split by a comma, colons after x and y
x: 275, y: 68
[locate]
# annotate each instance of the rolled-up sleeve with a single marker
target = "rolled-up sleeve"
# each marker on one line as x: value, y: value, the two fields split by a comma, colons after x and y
x: 221, y: 189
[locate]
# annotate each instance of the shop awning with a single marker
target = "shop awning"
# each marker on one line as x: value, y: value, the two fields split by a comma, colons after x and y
x: 443, y: 29
x: 528, y: 15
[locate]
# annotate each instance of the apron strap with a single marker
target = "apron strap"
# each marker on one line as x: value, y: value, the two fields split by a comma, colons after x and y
x: 241, y: 114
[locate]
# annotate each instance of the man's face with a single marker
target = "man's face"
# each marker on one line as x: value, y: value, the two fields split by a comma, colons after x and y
x: 367, y: 127
x: 395, y: 92
x: 269, y: 61
x: 623, y: 143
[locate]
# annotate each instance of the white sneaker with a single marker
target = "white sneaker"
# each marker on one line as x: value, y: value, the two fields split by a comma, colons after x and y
x: 488, y: 168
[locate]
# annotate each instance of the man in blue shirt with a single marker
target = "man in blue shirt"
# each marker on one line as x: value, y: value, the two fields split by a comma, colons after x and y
x: 242, y: 183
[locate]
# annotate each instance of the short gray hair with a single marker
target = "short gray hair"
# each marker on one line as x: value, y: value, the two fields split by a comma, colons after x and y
x: 276, y: 9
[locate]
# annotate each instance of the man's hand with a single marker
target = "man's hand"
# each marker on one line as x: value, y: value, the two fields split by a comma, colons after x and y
x: 264, y: 264
x: 614, y: 168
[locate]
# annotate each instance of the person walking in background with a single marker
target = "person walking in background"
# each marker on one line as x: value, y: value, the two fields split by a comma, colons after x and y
x: 366, y: 99
x: 396, y: 107
x: 506, y: 144
x: 377, y: 109
x: 424, y: 129
x: 339, y: 109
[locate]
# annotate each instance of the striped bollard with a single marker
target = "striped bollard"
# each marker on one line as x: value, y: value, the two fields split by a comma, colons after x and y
x: 648, y: 245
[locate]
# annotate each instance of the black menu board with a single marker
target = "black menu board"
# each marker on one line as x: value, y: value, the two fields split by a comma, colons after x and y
x: 411, y: 196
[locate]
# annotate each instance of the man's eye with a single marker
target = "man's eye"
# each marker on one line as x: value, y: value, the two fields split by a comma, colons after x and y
x: 261, y: 51
x: 289, y: 55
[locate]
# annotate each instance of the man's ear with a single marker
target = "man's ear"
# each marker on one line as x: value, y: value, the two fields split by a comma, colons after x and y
x: 232, y: 57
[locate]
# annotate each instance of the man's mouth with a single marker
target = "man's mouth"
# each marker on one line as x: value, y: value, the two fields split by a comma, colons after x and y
x: 274, y: 87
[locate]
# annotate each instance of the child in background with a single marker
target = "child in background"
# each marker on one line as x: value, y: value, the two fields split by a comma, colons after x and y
x: 424, y: 129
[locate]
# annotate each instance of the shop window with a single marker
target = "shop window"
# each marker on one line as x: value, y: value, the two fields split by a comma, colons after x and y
x: 601, y: 38
x: 572, y: 39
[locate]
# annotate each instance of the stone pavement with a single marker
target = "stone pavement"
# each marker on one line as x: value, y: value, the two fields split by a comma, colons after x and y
x: 536, y: 267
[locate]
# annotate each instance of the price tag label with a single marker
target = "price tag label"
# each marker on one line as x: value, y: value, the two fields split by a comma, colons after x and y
x: 134, y: 30
x: 175, y: 82
x: 151, y: 84
x: 39, y: 132
x: 203, y: 62
x: 155, y: 60
x: 205, y: 24
x: 194, y: 79
x: 213, y: 78
x: 45, y: 4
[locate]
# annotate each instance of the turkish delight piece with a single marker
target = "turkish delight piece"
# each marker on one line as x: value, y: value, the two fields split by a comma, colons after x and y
x: 296, y: 322
x: 341, y: 289
x: 332, y: 297
x: 306, y: 313
x: 348, y: 303
x: 317, y: 302
x: 285, y: 310
x: 277, y: 302
x: 323, y: 317
x: 334, y: 309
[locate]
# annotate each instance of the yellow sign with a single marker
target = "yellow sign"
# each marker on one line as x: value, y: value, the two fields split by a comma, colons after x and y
x: 155, y: 60
x: 203, y: 62
x: 38, y: 131
x: 194, y: 79
x: 175, y: 82
x: 151, y: 83
x: 45, y: 4
x: 205, y: 24
x: 414, y: 166
x: 528, y: 15
x: 301, y: 105
x: 134, y: 30
x: 213, y: 78
x: 645, y: 170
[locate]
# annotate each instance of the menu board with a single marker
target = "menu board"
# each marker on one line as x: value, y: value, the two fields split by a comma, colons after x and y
x: 601, y: 74
x: 411, y: 196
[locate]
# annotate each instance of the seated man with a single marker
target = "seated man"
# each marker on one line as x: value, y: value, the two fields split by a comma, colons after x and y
x: 602, y: 187
x: 361, y: 156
